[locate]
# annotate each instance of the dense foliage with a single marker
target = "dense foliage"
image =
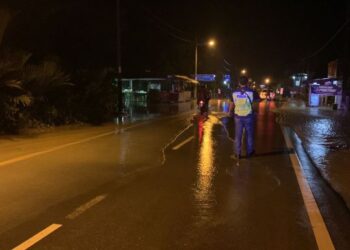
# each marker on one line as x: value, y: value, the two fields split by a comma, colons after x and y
x: 38, y: 92
x: 42, y: 94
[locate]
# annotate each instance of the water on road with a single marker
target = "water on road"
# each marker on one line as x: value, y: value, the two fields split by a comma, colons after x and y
x: 166, y: 183
x: 325, y: 135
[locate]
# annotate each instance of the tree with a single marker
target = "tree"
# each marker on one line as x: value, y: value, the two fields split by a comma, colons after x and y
x: 13, y: 96
x: 49, y: 87
x: 96, y: 96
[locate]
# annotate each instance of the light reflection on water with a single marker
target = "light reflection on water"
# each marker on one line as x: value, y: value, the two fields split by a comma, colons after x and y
x: 318, y: 133
x: 321, y: 136
x: 323, y: 133
x: 204, y: 195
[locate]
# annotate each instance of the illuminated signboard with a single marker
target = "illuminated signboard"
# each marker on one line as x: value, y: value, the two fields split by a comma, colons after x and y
x: 206, y: 77
x: 326, y: 89
x: 227, y: 78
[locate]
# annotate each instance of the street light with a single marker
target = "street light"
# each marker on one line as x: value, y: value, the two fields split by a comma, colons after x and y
x: 267, y: 80
x: 243, y: 71
x: 211, y: 43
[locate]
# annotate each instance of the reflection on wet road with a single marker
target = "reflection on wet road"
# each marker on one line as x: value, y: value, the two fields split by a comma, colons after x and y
x: 325, y: 134
x: 236, y: 201
x: 318, y: 132
x: 183, y: 191
x: 204, y: 194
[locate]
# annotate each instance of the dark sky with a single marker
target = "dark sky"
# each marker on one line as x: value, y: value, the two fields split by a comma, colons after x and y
x: 267, y: 37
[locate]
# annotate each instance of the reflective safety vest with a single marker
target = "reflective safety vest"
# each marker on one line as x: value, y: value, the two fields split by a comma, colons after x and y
x: 243, y: 101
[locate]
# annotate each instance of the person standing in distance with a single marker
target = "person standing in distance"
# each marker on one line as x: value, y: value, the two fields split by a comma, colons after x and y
x: 242, y: 102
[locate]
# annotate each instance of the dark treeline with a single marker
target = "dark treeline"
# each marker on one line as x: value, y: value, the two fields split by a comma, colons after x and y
x: 42, y: 94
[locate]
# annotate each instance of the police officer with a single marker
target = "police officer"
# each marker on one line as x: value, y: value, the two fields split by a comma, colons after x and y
x: 242, y: 102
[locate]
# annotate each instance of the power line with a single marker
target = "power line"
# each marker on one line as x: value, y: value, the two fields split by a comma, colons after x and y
x: 168, y: 26
x: 176, y: 36
x: 226, y: 62
x: 165, y: 23
x: 227, y: 69
x: 329, y: 41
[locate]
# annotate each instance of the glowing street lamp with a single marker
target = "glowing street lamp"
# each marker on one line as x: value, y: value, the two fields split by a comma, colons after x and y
x: 267, y: 80
x: 211, y: 43
x: 243, y: 71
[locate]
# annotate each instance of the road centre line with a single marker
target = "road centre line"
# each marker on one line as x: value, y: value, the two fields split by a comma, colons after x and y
x: 86, y: 206
x: 183, y: 143
x: 53, y: 227
x: 32, y: 155
x: 28, y: 156
x: 319, y: 228
x: 39, y: 236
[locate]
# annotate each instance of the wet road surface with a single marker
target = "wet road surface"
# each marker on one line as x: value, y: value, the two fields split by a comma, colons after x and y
x: 325, y: 135
x: 168, y: 183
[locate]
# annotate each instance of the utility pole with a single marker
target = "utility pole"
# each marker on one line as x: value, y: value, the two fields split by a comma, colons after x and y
x: 346, y: 59
x: 119, y: 64
x: 195, y: 66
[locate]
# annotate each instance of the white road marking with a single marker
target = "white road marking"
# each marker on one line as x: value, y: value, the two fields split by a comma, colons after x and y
x: 183, y: 143
x: 32, y: 155
x: 39, y: 236
x: 319, y: 228
x: 29, y: 156
x: 85, y: 207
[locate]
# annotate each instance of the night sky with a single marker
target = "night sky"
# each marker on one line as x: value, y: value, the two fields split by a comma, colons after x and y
x: 269, y: 38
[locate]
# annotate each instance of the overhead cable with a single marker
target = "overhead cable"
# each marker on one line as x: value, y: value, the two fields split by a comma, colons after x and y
x: 329, y: 41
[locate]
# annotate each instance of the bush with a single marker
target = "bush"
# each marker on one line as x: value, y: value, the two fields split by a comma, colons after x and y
x: 96, y: 96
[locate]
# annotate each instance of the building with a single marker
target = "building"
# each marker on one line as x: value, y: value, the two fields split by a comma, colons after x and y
x: 325, y: 92
x: 172, y: 88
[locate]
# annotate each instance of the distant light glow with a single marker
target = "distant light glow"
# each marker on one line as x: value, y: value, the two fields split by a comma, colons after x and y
x: 211, y: 43
x: 314, y: 100
x: 281, y: 91
x: 227, y: 77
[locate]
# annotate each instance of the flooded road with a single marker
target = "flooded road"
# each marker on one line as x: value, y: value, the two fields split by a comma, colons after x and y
x: 325, y: 135
x: 167, y: 182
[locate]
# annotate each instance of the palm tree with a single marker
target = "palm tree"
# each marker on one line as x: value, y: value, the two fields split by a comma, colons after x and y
x: 47, y: 84
x: 13, y: 97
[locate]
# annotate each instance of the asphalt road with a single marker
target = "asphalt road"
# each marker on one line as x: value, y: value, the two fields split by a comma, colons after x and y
x: 166, y: 183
